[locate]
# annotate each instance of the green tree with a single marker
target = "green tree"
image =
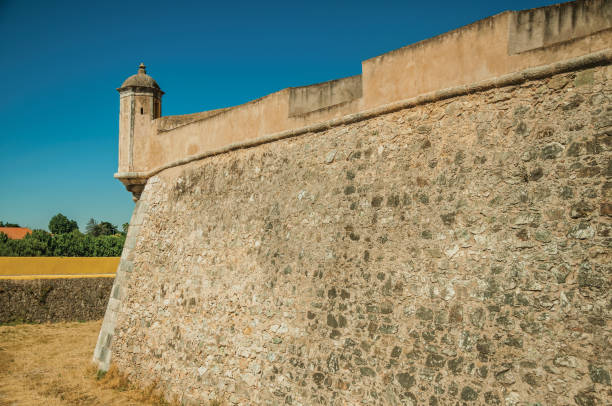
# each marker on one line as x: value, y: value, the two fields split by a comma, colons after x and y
x: 108, y: 245
x: 2, y: 224
x: 106, y: 228
x: 37, y: 244
x: 74, y: 244
x: 6, y: 246
x: 125, y: 227
x: 60, y: 224
x: 90, y: 228
x: 96, y: 229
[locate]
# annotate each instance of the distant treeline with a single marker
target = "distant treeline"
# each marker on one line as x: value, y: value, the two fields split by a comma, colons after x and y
x: 65, y: 240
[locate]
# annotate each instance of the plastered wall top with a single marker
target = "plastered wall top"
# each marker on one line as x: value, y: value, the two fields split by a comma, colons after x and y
x: 505, y: 43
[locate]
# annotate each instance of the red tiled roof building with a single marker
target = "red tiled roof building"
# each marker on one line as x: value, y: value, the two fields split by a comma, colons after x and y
x: 15, y: 233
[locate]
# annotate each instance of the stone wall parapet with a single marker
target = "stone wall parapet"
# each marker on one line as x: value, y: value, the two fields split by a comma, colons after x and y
x: 603, y: 57
x: 488, y: 50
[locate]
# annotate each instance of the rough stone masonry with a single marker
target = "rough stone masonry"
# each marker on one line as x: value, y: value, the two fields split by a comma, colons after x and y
x: 455, y: 251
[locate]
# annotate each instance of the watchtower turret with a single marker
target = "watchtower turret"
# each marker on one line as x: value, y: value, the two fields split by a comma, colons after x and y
x: 139, y: 104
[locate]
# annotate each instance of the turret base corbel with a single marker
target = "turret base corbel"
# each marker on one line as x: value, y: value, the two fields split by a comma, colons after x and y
x: 134, y: 184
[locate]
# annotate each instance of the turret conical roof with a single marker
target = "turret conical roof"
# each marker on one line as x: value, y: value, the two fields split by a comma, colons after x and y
x: 141, y: 79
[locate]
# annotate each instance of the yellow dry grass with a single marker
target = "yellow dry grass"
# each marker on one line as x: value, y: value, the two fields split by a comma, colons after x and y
x: 50, y: 364
x: 57, y: 267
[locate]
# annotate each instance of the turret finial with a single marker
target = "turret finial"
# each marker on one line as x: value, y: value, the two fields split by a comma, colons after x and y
x: 142, y: 68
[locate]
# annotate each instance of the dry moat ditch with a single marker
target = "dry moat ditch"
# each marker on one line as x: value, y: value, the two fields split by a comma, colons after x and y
x: 50, y: 364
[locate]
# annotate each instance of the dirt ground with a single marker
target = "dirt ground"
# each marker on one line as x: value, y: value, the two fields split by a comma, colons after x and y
x: 50, y: 364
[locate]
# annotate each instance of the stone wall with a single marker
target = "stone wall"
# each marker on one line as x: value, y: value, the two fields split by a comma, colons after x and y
x: 454, y: 252
x: 51, y: 300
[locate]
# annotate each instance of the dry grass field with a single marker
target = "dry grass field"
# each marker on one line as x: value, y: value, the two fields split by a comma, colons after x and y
x: 50, y: 364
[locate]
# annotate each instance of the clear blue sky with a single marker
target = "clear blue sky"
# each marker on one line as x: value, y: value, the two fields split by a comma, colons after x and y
x: 61, y: 62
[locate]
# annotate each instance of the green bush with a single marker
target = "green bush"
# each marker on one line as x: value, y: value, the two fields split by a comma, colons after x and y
x: 67, y: 244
